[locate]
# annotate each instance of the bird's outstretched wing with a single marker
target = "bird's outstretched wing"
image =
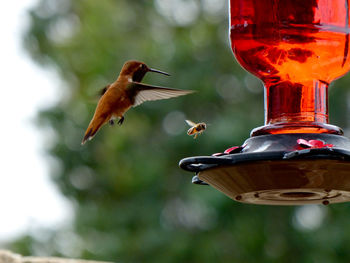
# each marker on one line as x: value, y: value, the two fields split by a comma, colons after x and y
x: 103, y: 91
x: 191, y: 123
x: 144, y: 92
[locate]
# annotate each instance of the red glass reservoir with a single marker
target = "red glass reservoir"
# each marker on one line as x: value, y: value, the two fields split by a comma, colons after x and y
x: 296, y: 47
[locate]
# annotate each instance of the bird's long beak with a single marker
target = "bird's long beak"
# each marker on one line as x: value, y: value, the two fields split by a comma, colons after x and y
x: 158, y: 71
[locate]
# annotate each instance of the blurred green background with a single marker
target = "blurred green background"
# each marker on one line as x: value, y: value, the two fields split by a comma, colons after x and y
x: 132, y: 202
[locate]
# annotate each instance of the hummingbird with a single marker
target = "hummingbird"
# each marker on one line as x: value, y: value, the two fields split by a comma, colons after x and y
x: 126, y: 92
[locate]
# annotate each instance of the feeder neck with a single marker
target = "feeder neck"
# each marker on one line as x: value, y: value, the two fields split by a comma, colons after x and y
x: 296, y: 108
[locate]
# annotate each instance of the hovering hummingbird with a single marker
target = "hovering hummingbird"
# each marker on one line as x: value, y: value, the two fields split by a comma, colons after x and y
x: 125, y: 92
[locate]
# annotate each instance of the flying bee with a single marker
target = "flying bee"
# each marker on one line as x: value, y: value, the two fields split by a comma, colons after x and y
x: 196, y: 128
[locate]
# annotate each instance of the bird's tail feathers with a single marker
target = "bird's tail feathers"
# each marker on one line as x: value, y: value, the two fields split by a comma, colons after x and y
x: 94, y: 126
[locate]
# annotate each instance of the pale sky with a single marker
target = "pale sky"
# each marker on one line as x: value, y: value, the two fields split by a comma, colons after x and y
x: 28, y: 199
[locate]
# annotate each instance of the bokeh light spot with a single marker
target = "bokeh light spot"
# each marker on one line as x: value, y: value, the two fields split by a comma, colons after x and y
x: 173, y: 123
x: 309, y: 217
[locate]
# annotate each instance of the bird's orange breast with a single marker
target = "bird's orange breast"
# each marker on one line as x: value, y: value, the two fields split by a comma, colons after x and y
x: 117, y: 101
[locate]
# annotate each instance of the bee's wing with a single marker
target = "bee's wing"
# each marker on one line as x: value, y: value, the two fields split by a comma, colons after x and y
x: 145, y: 92
x: 191, y: 123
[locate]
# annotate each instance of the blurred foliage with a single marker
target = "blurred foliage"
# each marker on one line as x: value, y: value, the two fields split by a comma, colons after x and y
x: 132, y: 202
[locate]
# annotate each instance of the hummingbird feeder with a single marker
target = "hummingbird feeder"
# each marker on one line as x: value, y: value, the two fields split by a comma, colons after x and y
x: 296, y: 48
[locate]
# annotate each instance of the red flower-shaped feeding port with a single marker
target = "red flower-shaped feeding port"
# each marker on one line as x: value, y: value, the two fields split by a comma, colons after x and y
x: 231, y: 150
x: 313, y: 144
x: 234, y: 149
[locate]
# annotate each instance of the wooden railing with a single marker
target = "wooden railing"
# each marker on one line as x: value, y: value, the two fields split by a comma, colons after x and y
x: 9, y: 257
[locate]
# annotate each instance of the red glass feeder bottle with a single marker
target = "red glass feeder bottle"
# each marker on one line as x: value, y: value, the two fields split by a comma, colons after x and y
x: 296, y: 47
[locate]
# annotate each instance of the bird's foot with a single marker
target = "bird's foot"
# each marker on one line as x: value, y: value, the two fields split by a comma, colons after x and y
x: 121, y: 120
x: 111, y: 122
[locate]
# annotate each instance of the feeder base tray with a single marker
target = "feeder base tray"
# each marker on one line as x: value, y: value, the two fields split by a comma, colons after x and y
x: 292, y: 182
x: 277, y: 170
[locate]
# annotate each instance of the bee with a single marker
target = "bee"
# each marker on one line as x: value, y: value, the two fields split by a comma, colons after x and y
x: 196, y: 128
